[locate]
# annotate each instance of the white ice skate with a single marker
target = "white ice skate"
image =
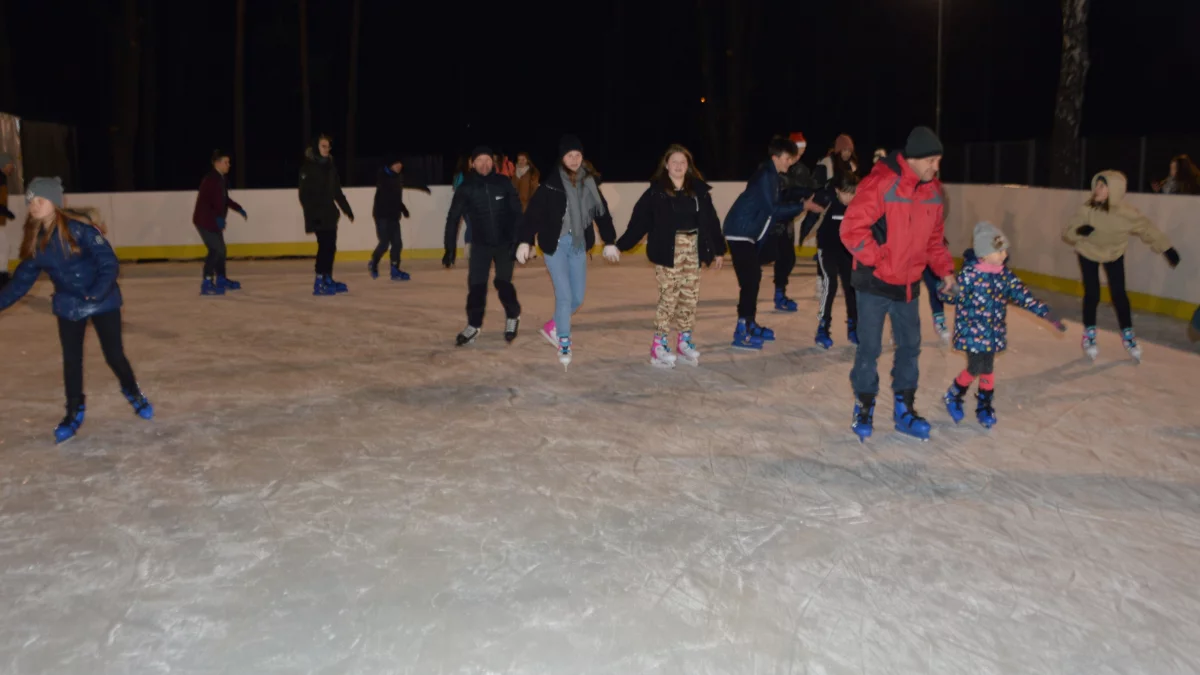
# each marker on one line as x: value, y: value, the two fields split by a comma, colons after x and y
x: 1089, y: 343
x: 939, y: 325
x: 564, y: 352
x: 550, y: 332
x: 686, y: 349
x: 660, y: 353
x: 1131, y: 345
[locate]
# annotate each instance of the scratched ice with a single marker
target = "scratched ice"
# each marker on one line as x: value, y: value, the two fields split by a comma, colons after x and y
x: 331, y: 487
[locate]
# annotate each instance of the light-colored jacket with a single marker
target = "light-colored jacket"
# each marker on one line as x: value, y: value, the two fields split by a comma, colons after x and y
x: 1114, y: 226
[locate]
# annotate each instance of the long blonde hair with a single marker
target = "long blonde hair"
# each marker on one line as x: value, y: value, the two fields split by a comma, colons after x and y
x: 37, y: 233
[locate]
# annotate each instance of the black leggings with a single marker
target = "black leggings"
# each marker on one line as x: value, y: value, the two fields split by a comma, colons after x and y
x: 785, y: 261
x: 748, y: 269
x: 214, y: 262
x: 326, y: 250
x: 1115, y: 271
x: 835, y: 263
x: 387, y: 231
x: 982, y: 363
x: 108, y: 329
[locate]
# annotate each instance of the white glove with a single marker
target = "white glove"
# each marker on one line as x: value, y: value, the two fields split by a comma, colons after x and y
x: 523, y: 253
x: 611, y: 254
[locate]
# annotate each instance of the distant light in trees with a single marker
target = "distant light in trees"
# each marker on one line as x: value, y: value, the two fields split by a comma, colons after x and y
x: 702, y: 99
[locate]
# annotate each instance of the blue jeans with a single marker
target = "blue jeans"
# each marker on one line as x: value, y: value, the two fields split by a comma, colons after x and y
x: 906, y: 330
x: 931, y: 283
x: 568, y: 272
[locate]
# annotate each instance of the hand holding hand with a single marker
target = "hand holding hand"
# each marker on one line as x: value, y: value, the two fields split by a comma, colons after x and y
x: 523, y: 253
x: 718, y: 262
x: 448, y: 260
x: 1084, y: 230
x: 1172, y: 257
x: 949, y: 285
x: 812, y: 206
x: 611, y: 254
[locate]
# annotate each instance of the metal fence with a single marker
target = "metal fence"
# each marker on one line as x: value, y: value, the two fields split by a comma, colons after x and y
x: 1144, y: 160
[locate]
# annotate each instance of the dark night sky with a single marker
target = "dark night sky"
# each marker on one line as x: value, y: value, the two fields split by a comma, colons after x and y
x: 437, y: 78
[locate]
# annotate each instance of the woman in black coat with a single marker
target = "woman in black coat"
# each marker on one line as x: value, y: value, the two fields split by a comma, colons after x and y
x: 321, y: 196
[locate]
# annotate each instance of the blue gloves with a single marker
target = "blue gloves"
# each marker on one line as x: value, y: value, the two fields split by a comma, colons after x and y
x: 221, y: 223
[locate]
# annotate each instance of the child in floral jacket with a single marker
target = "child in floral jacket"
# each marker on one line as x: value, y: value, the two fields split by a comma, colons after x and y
x: 985, y: 287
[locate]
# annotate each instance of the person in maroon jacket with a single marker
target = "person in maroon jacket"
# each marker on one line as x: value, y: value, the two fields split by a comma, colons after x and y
x: 212, y: 205
x: 894, y: 228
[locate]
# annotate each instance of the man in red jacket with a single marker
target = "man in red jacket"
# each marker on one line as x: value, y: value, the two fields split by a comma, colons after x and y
x: 894, y: 228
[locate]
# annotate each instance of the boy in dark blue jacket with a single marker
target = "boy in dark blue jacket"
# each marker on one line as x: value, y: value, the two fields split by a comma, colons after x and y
x: 758, y: 216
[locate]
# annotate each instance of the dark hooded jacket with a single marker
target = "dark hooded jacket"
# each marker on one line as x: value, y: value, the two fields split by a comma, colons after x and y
x: 321, y: 192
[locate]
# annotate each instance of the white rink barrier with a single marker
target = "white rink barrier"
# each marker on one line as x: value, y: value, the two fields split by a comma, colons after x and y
x: 158, y: 225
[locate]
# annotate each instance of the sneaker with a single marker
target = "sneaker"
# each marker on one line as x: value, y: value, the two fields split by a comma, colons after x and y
x: 564, y: 351
x: 686, y: 349
x: 939, y: 325
x: 660, y: 353
x: 1089, y: 343
x: 510, y: 328
x: 550, y: 332
x: 210, y: 287
x: 467, y: 336
x: 1131, y: 345
x: 229, y: 284
x: 742, y: 339
x: 373, y: 269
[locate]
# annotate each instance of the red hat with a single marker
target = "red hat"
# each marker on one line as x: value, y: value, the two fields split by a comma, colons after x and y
x: 797, y: 138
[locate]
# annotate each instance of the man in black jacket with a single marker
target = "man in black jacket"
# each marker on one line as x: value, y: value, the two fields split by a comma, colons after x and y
x: 797, y: 185
x: 494, y: 208
x: 387, y: 211
x: 321, y: 196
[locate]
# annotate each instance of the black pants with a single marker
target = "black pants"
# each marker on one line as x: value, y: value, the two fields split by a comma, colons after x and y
x: 785, y: 260
x: 214, y: 262
x: 981, y: 364
x: 1115, y: 271
x: 480, y: 267
x: 387, y: 230
x: 806, y: 226
x: 108, y: 329
x: 835, y: 263
x: 749, y: 275
x: 326, y: 250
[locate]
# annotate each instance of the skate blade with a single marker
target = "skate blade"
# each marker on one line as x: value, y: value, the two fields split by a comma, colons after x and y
x: 662, y: 366
x: 690, y: 362
x: 549, y: 339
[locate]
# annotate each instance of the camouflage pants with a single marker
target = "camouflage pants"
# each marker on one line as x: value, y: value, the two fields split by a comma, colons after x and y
x: 679, y: 287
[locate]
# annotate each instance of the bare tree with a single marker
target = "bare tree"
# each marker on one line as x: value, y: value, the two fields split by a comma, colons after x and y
x: 352, y: 104
x: 8, y: 85
x: 1068, y: 110
x: 739, y: 85
x: 148, y: 123
x: 304, y: 93
x: 239, y: 96
x: 709, y: 105
x: 126, y: 61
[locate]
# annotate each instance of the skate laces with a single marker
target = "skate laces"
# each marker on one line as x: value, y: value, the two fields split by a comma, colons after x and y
x: 685, y: 340
x: 510, y: 325
x: 1128, y: 337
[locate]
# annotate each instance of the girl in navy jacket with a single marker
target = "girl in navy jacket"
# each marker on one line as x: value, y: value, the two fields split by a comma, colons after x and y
x: 70, y: 247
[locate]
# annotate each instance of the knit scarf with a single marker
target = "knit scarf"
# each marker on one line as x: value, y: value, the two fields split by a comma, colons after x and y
x: 583, y: 206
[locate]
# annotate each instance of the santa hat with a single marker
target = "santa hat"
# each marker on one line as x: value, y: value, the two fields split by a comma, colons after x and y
x: 797, y: 138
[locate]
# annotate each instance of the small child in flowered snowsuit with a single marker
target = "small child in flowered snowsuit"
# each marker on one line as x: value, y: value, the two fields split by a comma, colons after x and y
x: 985, y: 287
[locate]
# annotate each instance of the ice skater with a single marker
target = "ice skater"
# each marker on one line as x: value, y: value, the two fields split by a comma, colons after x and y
x: 894, y: 228
x: 834, y: 260
x: 70, y: 247
x: 1100, y: 231
x: 682, y: 230
x: 559, y: 219
x: 798, y: 185
x: 491, y: 203
x: 755, y: 220
x: 213, y: 205
x: 6, y: 169
x: 387, y: 211
x: 985, y: 289
x: 321, y: 196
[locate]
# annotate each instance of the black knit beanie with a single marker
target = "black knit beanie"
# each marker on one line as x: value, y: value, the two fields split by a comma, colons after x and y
x: 480, y: 150
x: 922, y: 143
x: 568, y: 143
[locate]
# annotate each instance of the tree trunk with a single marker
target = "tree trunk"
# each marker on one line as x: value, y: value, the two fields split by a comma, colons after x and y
x: 126, y: 61
x: 709, y: 108
x: 148, y: 126
x: 352, y: 103
x: 738, y: 88
x: 239, y: 97
x: 8, y: 84
x: 304, y: 93
x: 1068, y: 111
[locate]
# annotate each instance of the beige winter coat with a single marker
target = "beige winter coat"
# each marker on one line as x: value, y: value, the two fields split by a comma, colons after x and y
x: 1114, y: 226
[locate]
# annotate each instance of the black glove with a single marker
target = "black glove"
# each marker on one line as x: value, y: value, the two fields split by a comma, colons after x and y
x: 1084, y: 230
x: 448, y: 259
x: 7, y: 214
x: 404, y: 211
x: 1172, y: 257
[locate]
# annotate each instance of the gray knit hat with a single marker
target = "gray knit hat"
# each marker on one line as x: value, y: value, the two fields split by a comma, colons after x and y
x: 988, y: 239
x: 47, y: 188
x: 922, y: 143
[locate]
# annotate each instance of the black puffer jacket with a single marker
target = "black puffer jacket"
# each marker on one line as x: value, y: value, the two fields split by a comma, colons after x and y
x: 389, y: 194
x: 544, y: 217
x: 321, y: 193
x: 493, y: 206
x: 653, y: 218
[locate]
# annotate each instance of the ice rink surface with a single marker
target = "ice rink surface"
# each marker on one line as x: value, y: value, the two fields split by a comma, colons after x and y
x: 331, y: 487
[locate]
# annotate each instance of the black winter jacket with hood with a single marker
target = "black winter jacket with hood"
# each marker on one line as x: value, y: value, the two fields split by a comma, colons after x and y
x: 654, y: 219
x: 493, y: 206
x: 544, y: 217
x: 321, y: 192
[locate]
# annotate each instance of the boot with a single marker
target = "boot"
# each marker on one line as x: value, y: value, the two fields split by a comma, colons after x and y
x: 823, y: 340
x: 564, y: 351
x: 141, y: 405
x: 852, y: 331
x: 1131, y: 345
x: 1089, y: 343
x: 70, y: 424
x: 337, y: 286
x: 984, y: 411
x: 550, y: 332
x: 864, y: 416
x: 939, y: 325
x: 228, y: 284
x: 686, y: 350
x: 210, y: 287
x: 467, y: 336
x: 510, y: 328
x: 742, y: 339
x: 954, y: 401
x: 373, y: 268
x: 320, y: 287
x: 783, y: 303
x: 905, y: 415
x: 761, y: 332
x: 399, y: 274
x: 660, y: 353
